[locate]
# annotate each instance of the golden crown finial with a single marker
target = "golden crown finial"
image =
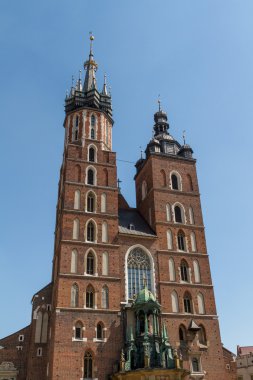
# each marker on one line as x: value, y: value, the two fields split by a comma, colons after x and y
x: 91, y: 36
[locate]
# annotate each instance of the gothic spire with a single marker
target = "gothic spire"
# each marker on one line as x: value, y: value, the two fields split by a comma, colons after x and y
x: 104, y: 91
x: 91, y: 67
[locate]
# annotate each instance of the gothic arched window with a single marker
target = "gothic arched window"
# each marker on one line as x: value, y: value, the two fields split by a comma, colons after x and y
x: 187, y: 303
x: 90, y: 232
x: 178, y: 214
x: 139, y: 270
x: 90, y: 177
x: 77, y: 199
x: 90, y: 297
x: 105, y: 297
x: 182, y: 334
x: 181, y: 241
x: 202, y: 335
x: 91, y: 154
x: 90, y: 202
x: 73, y: 267
x: 174, y: 182
x: 174, y: 302
x: 88, y: 370
x: 92, y: 127
x: 90, y: 263
x: 99, y: 331
x: 74, y: 295
x: 184, y: 271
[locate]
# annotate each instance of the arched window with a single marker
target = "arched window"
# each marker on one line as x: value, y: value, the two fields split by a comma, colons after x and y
x: 103, y: 202
x: 75, y: 130
x: 174, y: 302
x: 78, y: 331
x: 78, y: 173
x: 91, y: 232
x: 139, y: 268
x: 105, y: 297
x: 181, y: 241
x: 44, y: 328
x: 168, y: 212
x: 75, y: 229
x: 196, y: 271
x: 169, y: 239
x: 202, y: 335
x: 90, y: 264
x: 195, y: 365
x: 73, y: 268
x: 90, y: 177
x: 74, y: 295
x: 77, y: 200
x: 174, y: 182
x: 90, y: 297
x: 172, y: 271
x: 92, y: 154
x: 88, y: 366
x: 182, y: 334
x: 105, y: 264
x: 106, y: 132
x: 193, y: 242
x: 144, y: 190
x: 184, y: 271
x: 191, y: 216
x: 178, y: 212
x: 99, y: 331
x: 91, y: 201
x: 93, y: 127
x: 38, y: 327
x: 190, y: 184
x: 201, y: 304
x: 187, y: 303
x: 163, y: 178
x: 106, y: 178
x: 104, y: 232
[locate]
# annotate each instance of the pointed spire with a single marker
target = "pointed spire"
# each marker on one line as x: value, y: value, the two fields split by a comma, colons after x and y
x: 79, y: 86
x: 104, y: 91
x: 91, y: 67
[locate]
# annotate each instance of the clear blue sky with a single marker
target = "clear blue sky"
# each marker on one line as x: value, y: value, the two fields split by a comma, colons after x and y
x: 198, y: 55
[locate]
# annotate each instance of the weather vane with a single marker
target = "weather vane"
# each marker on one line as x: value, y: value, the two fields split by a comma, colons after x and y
x: 159, y: 102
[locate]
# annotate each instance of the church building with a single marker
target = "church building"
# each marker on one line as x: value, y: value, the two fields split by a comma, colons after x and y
x: 131, y: 295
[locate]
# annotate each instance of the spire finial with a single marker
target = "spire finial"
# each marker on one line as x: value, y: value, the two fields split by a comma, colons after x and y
x: 159, y: 103
x: 141, y: 151
x: 105, y: 92
x: 91, y: 42
x: 184, y: 135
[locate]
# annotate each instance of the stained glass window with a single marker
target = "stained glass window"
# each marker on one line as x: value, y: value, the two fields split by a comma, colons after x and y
x: 139, y: 271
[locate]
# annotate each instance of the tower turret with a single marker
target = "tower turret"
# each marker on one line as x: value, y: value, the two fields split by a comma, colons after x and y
x: 88, y: 94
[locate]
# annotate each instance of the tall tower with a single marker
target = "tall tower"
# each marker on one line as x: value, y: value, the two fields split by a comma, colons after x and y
x: 131, y: 295
x: 168, y: 198
x: 86, y: 230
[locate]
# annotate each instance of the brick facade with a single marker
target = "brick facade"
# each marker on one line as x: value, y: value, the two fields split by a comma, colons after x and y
x: 51, y: 349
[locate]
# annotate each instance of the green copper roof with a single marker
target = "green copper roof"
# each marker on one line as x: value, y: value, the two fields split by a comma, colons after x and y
x: 144, y: 296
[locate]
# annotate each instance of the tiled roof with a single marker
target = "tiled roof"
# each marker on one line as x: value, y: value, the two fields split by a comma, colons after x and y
x: 131, y: 216
x: 245, y: 350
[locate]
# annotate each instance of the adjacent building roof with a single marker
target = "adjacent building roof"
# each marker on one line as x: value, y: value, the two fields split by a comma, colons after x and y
x: 246, y: 350
x: 131, y: 222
